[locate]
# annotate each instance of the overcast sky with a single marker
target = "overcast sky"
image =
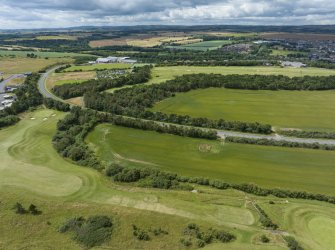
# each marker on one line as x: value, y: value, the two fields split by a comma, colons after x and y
x: 69, y: 13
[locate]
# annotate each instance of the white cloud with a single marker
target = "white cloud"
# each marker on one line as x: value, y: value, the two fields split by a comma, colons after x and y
x: 63, y: 13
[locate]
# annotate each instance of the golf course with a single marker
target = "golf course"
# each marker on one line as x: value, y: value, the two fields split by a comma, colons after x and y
x: 63, y: 190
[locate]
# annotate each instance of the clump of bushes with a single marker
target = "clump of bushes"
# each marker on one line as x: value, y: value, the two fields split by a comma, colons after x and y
x: 146, y: 177
x: 265, y: 239
x: 89, y: 232
x: 292, y: 243
x: 19, y: 209
x: 140, y: 234
x: 203, y: 238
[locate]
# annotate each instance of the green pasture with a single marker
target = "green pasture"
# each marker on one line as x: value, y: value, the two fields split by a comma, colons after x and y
x: 277, y: 52
x: 272, y: 167
x: 99, y: 67
x: 32, y: 172
x: 207, y: 45
x: 308, y: 110
x: 39, y: 54
x: 162, y: 74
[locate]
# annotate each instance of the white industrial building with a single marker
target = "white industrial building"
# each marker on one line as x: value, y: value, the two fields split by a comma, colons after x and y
x: 114, y: 59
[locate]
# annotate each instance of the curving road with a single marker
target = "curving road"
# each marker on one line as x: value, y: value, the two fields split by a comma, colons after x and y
x: 42, y: 85
x: 222, y: 133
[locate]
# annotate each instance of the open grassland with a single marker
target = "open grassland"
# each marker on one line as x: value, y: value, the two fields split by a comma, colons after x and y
x: 207, y: 45
x: 307, y: 110
x: 294, y: 169
x: 99, y: 67
x: 162, y: 74
x: 32, y: 172
x: 70, y: 77
x: 11, y: 53
x: 22, y: 65
x: 277, y: 52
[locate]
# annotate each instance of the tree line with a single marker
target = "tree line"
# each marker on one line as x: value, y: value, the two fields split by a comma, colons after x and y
x: 279, y: 143
x: 308, y: 134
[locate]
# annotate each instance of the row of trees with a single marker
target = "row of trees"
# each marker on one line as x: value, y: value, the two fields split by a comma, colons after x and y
x: 279, y: 143
x: 308, y: 134
x: 139, y: 75
x: 164, y: 128
x: 265, y: 219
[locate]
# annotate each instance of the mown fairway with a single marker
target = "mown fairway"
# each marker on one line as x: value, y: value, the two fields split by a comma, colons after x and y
x: 161, y: 74
x: 99, y: 67
x: 32, y: 172
x: 295, y: 169
x: 308, y: 110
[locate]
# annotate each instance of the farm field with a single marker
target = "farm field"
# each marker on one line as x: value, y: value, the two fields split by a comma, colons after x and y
x: 34, y: 173
x: 22, y: 65
x: 11, y: 53
x: 60, y: 37
x: 271, y: 167
x: 277, y: 52
x: 207, y: 45
x: 285, y: 109
x: 162, y: 74
x: 70, y: 77
x: 99, y: 67
x: 138, y: 41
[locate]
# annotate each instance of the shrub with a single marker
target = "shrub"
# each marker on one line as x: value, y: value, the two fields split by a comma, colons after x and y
x: 19, y: 209
x: 140, y: 234
x: 186, y: 242
x: 265, y: 239
x: 91, y: 232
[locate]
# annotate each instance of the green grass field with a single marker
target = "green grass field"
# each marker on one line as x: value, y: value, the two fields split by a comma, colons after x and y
x: 32, y: 172
x: 295, y: 169
x: 207, y: 45
x: 308, y: 110
x: 99, y: 67
x: 162, y: 74
x: 39, y: 54
x: 277, y: 52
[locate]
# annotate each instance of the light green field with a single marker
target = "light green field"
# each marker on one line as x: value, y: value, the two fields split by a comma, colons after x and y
x: 277, y: 52
x: 99, y: 67
x: 207, y: 45
x: 311, y: 170
x: 308, y: 110
x: 32, y: 172
x: 162, y: 74
x: 39, y: 54
x: 63, y: 37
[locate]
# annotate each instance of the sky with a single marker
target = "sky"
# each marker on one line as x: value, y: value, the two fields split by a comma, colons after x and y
x: 17, y: 14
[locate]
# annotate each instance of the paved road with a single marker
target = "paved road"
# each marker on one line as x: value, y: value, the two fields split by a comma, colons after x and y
x: 221, y: 134
x: 4, y: 82
x: 42, y: 85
